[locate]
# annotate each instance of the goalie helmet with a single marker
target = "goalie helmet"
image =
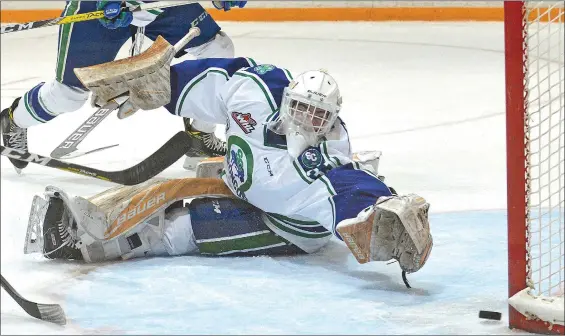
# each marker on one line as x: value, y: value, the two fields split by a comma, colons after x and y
x: 310, y: 105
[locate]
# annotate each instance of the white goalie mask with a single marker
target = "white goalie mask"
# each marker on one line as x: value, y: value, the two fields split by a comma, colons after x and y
x: 310, y: 106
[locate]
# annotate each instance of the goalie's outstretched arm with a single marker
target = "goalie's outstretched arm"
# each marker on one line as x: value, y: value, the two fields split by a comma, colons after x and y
x: 191, y: 89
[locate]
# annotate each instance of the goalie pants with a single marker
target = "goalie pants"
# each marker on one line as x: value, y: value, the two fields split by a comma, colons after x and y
x: 88, y: 43
x: 222, y: 226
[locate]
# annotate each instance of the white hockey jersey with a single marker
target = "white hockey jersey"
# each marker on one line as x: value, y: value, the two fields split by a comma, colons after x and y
x: 304, y: 197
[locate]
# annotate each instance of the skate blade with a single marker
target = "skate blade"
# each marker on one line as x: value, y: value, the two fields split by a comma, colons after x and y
x: 34, y: 236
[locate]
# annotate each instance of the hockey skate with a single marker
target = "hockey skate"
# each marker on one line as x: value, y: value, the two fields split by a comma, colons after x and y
x: 203, y: 145
x: 52, y: 230
x: 13, y: 136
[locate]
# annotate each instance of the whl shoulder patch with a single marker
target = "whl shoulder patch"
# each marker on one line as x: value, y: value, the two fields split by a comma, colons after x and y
x: 245, y: 122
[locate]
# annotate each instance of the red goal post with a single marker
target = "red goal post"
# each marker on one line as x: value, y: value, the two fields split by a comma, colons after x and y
x: 535, y: 121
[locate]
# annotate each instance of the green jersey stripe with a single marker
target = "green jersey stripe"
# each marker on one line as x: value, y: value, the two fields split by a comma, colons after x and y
x: 295, y: 231
x: 334, y: 160
x: 357, y: 166
x: 262, y: 86
x: 302, y: 173
x: 155, y: 11
x: 240, y: 244
x: 30, y: 109
x: 253, y: 249
x: 288, y: 74
x: 251, y: 61
x: 64, y: 40
x: 332, y: 192
x: 195, y: 81
x: 232, y: 237
x: 294, y: 221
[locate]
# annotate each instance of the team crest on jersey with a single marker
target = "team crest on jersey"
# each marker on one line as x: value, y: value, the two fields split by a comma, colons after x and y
x: 240, y: 165
x: 312, y: 164
x: 263, y: 68
x: 311, y: 158
x: 245, y: 122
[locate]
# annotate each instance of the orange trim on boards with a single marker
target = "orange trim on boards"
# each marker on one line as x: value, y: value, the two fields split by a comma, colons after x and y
x: 319, y: 14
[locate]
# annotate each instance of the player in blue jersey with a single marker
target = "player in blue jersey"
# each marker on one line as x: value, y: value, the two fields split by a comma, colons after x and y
x: 88, y: 43
x: 288, y: 182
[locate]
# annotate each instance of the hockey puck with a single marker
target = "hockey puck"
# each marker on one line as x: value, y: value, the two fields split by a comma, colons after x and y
x: 490, y: 315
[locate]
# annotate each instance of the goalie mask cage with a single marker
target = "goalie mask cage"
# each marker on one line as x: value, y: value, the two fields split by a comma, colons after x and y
x: 535, y: 111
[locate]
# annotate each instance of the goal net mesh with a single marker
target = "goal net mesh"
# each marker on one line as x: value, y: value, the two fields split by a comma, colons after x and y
x: 545, y: 146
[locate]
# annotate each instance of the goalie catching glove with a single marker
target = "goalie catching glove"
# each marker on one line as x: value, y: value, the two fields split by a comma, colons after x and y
x: 145, y: 78
x: 396, y: 227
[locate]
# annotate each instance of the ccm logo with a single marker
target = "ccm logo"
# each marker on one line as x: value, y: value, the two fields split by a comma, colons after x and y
x: 17, y: 27
x: 142, y: 207
x: 19, y: 154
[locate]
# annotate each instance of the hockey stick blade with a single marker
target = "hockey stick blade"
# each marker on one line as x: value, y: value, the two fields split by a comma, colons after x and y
x: 47, y: 312
x: 160, y: 160
x: 70, y: 144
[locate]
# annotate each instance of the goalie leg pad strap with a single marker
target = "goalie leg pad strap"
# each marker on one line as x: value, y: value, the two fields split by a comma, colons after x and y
x: 178, y: 235
x: 168, y: 232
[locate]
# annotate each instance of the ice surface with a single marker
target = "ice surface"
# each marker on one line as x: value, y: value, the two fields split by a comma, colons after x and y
x: 429, y: 95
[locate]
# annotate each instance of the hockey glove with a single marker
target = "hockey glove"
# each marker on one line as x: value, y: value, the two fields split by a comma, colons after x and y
x: 113, y: 16
x: 227, y: 5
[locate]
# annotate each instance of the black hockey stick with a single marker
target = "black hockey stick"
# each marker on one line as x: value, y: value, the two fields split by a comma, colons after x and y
x: 164, y: 157
x: 46, y: 312
x: 86, y: 16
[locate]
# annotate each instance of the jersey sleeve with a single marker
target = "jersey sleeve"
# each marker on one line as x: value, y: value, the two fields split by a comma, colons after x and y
x: 244, y: 97
x: 196, y: 86
x: 255, y: 93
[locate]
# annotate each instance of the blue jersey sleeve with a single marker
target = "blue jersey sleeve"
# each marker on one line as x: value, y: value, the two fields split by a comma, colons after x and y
x: 354, y: 190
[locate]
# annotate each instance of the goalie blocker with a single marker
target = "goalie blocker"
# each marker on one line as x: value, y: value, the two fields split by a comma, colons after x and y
x: 200, y: 215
